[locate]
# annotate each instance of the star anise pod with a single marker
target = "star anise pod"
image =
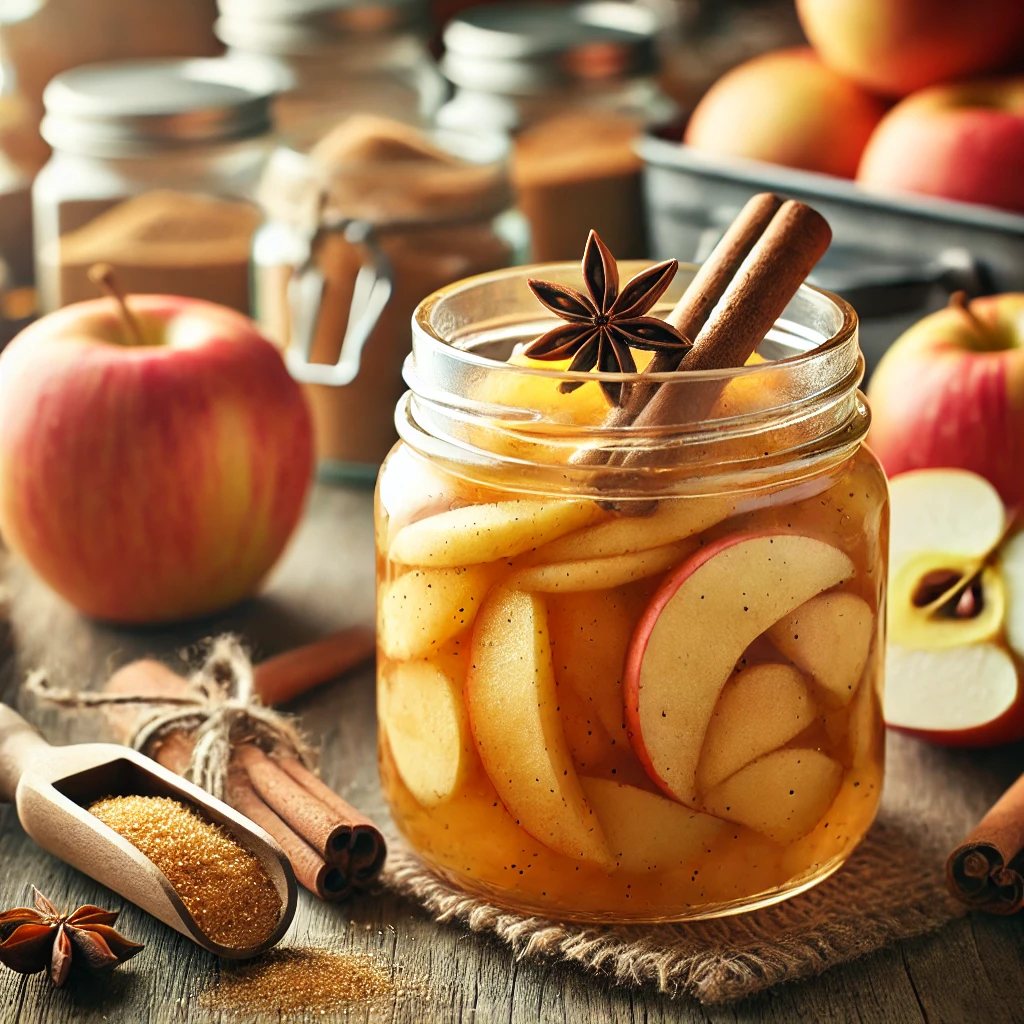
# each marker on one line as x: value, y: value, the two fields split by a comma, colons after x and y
x: 605, y: 325
x: 32, y: 940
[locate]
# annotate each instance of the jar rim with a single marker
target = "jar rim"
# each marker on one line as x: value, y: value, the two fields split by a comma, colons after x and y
x: 424, y: 331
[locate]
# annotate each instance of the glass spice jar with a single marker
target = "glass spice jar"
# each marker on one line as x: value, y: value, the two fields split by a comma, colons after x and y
x: 339, y: 58
x: 574, y: 85
x: 376, y: 216
x: 592, y: 710
x: 153, y: 170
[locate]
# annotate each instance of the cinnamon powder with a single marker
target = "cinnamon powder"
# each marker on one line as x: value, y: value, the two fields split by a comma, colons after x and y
x: 575, y: 172
x: 163, y: 242
x: 434, y: 213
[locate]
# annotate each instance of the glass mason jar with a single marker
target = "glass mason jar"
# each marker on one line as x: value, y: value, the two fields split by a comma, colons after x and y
x: 356, y: 235
x: 574, y: 85
x: 153, y: 171
x: 340, y: 57
x: 646, y: 690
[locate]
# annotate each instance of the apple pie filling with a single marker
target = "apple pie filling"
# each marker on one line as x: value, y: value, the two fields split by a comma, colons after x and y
x: 595, y: 714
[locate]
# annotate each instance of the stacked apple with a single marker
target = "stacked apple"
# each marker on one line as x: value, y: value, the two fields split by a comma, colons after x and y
x: 956, y: 611
x: 824, y: 108
x: 586, y: 664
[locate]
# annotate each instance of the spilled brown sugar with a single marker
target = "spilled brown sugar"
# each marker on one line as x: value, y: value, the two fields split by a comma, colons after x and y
x: 303, y: 981
x: 223, y: 886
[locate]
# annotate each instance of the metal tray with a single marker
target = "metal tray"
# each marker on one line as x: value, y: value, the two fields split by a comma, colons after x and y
x: 894, y: 259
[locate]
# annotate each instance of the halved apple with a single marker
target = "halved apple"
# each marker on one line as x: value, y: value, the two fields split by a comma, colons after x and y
x: 829, y: 638
x: 961, y: 696
x: 427, y: 729
x: 485, y: 533
x: 760, y: 709
x: 647, y: 832
x: 699, y: 623
x: 515, y: 721
x: 782, y: 795
x: 424, y: 608
x: 674, y: 520
x: 600, y: 573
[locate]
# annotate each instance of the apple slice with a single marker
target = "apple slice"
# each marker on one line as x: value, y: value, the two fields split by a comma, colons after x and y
x: 588, y: 740
x: 675, y: 520
x: 829, y: 638
x: 865, y: 732
x: 1011, y: 568
x: 760, y: 709
x: 590, y: 632
x: 424, y: 608
x: 647, y: 832
x: 783, y: 795
x: 961, y: 696
x: 426, y: 726
x: 600, y: 573
x: 696, y: 628
x: 514, y: 717
x: 951, y: 511
x: 485, y: 533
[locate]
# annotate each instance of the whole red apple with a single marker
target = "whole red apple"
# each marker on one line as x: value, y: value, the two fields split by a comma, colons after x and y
x: 786, y: 108
x: 894, y: 47
x: 156, y: 477
x: 962, y: 141
x: 950, y: 393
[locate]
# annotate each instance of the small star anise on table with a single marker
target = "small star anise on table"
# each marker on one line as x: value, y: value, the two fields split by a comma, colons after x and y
x: 605, y: 325
x: 34, y: 939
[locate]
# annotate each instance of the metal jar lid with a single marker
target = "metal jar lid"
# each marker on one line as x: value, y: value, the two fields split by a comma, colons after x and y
x: 283, y: 27
x: 524, y: 47
x: 121, y: 107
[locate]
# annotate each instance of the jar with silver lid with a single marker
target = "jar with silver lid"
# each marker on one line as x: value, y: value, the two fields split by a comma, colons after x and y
x: 338, y: 58
x: 153, y: 171
x: 574, y: 85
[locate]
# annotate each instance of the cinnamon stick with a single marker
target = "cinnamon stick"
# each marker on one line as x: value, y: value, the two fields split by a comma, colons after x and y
x: 986, y: 871
x: 692, y: 310
x: 366, y: 850
x: 289, y: 675
x: 328, y: 881
x: 780, y: 260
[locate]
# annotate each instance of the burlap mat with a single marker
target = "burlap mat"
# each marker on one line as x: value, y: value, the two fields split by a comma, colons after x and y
x: 891, y: 888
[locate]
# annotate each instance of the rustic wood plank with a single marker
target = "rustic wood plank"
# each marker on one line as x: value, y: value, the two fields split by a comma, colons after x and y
x: 326, y: 581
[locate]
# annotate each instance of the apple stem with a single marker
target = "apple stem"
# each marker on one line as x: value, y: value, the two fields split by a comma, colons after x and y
x: 102, y: 275
x: 958, y: 300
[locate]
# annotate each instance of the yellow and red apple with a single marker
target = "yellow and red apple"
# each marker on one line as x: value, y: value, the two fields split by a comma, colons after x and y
x: 956, y: 611
x: 156, y: 478
x: 950, y: 392
x: 788, y: 108
x: 896, y: 46
x: 962, y: 141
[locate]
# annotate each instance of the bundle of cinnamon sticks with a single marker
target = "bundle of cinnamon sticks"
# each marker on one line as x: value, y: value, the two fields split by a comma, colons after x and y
x: 333, y: 848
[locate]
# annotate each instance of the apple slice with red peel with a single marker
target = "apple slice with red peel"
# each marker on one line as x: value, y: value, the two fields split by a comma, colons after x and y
x: 425, y: 722
x: 676, y: 519
x: 760, y: 709
x: 424, y: 608
x: 600, y: 573
x: 959, y: 696
x: 514, y: 717
x: 782, y: 795
x: 829, y: 638
x: 696, y: 628
x: 648, y: 832
x: 485, y: 533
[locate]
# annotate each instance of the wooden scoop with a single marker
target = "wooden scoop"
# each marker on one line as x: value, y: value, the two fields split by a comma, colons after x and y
x: 52, y: 786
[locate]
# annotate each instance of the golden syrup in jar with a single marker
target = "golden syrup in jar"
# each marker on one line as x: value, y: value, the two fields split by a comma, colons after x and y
x: 630, y: 709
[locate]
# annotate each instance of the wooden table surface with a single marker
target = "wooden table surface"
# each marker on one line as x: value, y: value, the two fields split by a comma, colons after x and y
x: 971, y: 971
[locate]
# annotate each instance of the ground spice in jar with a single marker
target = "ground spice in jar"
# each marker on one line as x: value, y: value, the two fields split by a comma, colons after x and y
x: 576, y: 172
x: 304, y: 981
x: 223, y: 886
x: 162, y: 242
